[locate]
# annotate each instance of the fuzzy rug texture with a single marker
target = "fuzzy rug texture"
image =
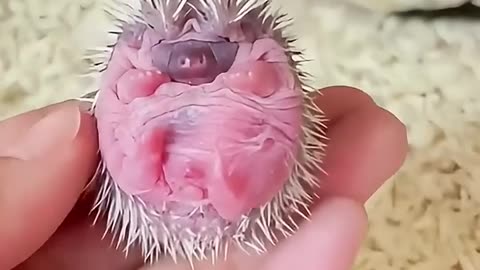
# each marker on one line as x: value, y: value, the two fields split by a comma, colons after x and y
x: 426, y: 71
x: 403, y: 5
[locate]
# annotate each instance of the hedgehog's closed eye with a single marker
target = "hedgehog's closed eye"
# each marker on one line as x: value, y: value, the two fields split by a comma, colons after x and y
x: 194, y: 62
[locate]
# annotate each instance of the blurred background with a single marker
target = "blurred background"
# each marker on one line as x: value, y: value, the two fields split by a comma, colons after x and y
x: 418, y: 58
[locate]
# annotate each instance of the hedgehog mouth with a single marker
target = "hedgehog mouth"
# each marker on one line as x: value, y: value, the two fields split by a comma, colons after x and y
x: 194, y: 81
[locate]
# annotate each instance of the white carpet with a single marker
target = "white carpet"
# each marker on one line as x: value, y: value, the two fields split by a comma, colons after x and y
x: 402, y: 5
x: 428, y: 74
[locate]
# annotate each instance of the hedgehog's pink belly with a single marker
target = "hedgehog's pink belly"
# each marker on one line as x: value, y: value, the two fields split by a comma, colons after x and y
x: 220, y: 151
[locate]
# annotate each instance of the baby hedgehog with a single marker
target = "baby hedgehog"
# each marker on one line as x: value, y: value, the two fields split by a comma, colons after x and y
x: 208, y: 134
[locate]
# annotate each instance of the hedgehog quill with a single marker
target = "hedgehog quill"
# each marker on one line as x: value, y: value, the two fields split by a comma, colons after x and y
x: 208, y: 134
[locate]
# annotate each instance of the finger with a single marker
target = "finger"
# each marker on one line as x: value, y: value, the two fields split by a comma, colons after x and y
x: 19, y: 124
x: 330, y: 241
x: 366, y: 146
x: 78, y: 245
x: 338, y: 101
x: 47, y: 158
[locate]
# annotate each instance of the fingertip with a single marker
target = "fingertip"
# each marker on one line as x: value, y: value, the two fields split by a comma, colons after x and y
x: 85, y: 145
x: 344, y: 210
x: 346, y: 92
x: 336, y: 101
x: 365, y: 149
x: 396, y: 137
x: 331, y: 240
x: 346, y: 215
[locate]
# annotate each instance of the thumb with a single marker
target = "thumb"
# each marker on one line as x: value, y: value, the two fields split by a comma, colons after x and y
x: 46, y: 158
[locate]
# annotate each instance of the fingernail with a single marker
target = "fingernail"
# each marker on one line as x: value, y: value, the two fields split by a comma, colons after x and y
x: 48, y: 136
x: 85, y: 106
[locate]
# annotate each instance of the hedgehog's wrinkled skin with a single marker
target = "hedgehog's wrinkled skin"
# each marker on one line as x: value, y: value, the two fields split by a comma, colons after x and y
x: 205, y: 131
x: 228, y: 143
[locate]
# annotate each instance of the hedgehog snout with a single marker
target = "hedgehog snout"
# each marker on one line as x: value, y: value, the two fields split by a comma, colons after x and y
x: 194, y: 62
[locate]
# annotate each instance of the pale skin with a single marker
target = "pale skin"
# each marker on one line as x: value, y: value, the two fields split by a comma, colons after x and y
x: 44, y: 166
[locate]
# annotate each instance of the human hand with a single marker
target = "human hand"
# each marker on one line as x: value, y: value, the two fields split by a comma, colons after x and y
x: 367, y: 145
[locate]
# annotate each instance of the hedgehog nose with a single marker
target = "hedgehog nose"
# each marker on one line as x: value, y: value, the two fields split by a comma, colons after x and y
x: 194, y: 62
